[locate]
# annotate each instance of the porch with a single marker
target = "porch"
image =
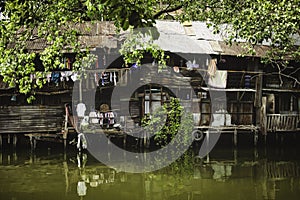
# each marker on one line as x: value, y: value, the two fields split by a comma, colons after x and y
x: 283, y: 122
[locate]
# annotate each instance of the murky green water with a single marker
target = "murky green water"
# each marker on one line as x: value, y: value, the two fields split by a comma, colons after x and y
x: 236, y: 174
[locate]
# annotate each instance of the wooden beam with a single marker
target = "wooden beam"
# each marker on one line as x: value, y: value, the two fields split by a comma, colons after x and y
x: 263, y: 116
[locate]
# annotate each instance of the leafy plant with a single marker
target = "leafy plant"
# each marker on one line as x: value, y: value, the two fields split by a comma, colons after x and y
x: 138, y: 43
x: 177, y: 120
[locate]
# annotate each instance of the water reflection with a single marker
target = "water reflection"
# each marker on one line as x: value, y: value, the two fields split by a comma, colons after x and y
x: 228, y: 174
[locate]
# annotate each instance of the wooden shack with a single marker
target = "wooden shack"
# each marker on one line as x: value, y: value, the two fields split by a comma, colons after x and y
x: 257, y: 97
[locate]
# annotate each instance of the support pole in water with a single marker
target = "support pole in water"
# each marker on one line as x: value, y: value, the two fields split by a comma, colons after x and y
x: 124, y: 140
x: 65, y: 134
x: 207, y: 146
x: 265, y: 139
x: 235, y: 137
x: 8, y: 139
x: 255, y: 138
x: 0, y: 140
x: 145, y: 139
x: 32, y: 142
x: 65, y: 131
x: 15, y: 139
x: 235, y: 155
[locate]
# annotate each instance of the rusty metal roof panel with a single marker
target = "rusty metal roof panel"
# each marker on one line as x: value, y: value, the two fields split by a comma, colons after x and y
x: 204, y: 33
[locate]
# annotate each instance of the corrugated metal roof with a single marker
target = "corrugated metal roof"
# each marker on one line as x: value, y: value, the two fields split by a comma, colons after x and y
x: 237, y: 49
x: 183, y: 44
x: 174, y: 37
x: 169, y: 27
x: 204, y: 33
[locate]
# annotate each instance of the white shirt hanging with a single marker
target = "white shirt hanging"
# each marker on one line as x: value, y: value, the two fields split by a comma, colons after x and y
x: 80, y: 109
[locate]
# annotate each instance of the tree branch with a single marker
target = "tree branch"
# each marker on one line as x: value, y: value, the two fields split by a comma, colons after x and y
x: 158, y: 14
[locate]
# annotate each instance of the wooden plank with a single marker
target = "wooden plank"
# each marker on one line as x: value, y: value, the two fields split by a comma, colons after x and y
x: 14, y: 119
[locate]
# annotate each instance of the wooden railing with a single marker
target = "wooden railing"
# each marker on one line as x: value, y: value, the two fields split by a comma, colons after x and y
x: 282, y: 122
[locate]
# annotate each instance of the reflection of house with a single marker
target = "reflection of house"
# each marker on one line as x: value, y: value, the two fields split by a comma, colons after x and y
x: 25, y: 176
x: 200, y: 64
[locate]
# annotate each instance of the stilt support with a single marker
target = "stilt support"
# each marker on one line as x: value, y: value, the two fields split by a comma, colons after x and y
x: 0, y: 141
x: 32, y: 142
x: 15, y: 139
x: 255, y: 138
x: 207, y: 147
x: 124, y: 140
x: 265, y: 139
x: 8, y: 139
x: 65, y: 135
x: 235, y: 141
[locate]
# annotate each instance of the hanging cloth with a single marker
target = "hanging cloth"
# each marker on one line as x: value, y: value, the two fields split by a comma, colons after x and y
x: 74, y: 77
x: 219, y: 80
x: 68, y: 74
x: 212, y: 67
x: 102, y: 79
x: 96, y: 79
x: 110, y: 77
x: 81, y: 108
x: 111, y: 117
x: 100, y: 115
x: 62, y: 76
x: 55, y: 77
x: 48, y: 75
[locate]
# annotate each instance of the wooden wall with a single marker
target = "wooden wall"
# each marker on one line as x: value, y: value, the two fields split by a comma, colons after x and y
x: 31, y: 119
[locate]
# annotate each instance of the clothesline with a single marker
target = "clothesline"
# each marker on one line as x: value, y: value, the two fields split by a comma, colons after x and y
x: 128, y: 69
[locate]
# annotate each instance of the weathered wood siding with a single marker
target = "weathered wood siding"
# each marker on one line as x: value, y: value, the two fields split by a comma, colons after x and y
x: 28, y: 119
x: 282, y: 122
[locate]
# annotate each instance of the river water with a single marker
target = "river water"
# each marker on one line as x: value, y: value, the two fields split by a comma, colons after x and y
x: 271, y: 172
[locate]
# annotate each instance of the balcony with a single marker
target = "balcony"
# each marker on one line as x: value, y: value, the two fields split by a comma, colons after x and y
x: 283, y: 122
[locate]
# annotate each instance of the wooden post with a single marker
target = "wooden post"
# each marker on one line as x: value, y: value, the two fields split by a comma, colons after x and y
x: 235, y: 140
x: 263, y: 116
x: 8, y: 139
x: 32, y: 142
x: 65, y: 143
x: 0, y: 141
x: 15, y: 139
x: 258, y: 88
x: 15, y: 157
x: 109, y: 148
x: 207, y: 146
x: 0, y: 157
x: 207, y: 158
x: 65, y: 135
x: 255, y: 153
x: 65, y: 131
x: 145, y: 139
x: 124, y: 140
x: 8, y: 159
x: 258, y: 104
x: 255, y: 138
x: 235, y: 155
x: 66, y: 172
x: 80, y: 90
